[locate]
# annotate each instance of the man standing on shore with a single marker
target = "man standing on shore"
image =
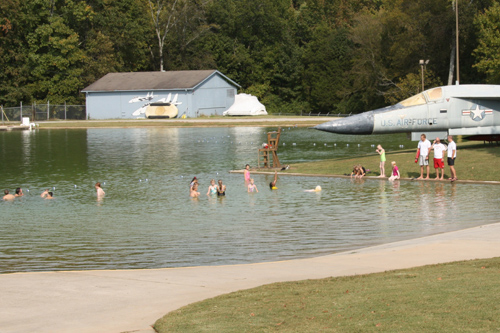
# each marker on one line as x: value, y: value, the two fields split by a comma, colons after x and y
x: 452, y: 154
x: 439, y: 148
x: 424, y: 147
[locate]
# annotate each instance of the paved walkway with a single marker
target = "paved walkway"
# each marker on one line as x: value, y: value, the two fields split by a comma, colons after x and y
x: 132, y: 300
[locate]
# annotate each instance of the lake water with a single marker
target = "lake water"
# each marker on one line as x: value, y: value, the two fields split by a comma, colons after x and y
x: 147, y: 219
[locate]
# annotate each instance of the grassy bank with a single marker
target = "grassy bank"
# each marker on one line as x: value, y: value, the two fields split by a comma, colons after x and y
x: 455, y: 297
x: 474, y: 162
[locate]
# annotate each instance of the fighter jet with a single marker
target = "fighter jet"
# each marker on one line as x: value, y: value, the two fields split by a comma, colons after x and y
x: 449, y: 110
x: 142, y: 99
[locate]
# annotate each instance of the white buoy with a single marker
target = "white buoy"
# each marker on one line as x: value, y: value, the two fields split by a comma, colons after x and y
x: 359, y: 145
x: 104, y: 183
x: 54, y: 188
x: 140, y: 180
x: 75, y: 186
x: 294, y: 144
x: 402, y: 146
x: 347, y: 145
x: 284, y: 144
x: 335, y: 144
x: 325, y: 144
x: 314, y: 144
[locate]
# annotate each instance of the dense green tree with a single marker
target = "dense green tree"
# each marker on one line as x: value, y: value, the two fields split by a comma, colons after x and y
x: 488, y: 50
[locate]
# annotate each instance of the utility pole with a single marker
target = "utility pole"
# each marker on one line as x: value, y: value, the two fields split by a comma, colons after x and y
x: 456, y: 33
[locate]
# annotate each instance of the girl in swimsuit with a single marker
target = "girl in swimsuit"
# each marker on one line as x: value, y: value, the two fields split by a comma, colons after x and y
x: 212, y: 189
x: 381, y: 152
x: 252, y: 187
x: 247, y: 174
x: 395, y: 172
x: 221, y: 189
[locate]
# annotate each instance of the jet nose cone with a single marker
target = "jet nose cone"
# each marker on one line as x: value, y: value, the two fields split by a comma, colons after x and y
x: 358, y: 124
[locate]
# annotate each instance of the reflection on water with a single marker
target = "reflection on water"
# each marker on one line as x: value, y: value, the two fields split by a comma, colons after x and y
x: 147, y: 219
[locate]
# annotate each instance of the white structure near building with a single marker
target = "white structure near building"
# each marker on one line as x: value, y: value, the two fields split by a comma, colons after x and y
x: 201, y: 92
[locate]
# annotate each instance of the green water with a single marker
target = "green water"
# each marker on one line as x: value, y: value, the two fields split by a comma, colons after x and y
x: 147, y: 219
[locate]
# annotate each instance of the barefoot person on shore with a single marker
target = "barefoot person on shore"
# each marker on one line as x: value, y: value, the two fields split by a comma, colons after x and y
x: 423, y: 149
x: 439, y: 149
x: 395, y: 172
x: 381, y: 152
x: 452, y: 154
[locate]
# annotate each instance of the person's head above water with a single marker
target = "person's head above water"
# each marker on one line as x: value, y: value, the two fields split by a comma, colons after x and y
x: 19, y: 190
x: 6, y: 192
x: 247, y: 166
x: 212, y: 182
x: 96, y: 185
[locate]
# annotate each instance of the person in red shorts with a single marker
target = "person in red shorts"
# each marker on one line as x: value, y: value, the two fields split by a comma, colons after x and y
x: 439, y: 150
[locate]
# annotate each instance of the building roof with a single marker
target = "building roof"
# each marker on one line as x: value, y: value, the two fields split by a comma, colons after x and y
x: 171, y: 80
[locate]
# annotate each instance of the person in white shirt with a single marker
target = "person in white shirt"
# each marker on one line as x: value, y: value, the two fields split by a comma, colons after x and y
x: 424, y: 147
x: 452, y: 154
x: 439, y: 148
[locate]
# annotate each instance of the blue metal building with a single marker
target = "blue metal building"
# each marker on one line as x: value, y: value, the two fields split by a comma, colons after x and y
x: 201, y: 92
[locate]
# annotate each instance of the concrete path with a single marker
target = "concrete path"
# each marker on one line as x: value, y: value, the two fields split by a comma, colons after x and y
x: 132, y: 300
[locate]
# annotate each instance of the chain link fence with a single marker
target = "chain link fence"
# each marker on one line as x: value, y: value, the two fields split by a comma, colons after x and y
x: 40, y: 112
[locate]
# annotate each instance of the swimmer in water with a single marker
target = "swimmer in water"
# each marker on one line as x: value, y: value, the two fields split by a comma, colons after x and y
x: 19, y: 192
x: 100, y: 191
x: 8, y: 196
x: 221, y: 189
x: 193, y: 193
x: 317, y: 189
x: 50, y: 195
x: 212, y: 189
x: 252, y: 187
x: 247, y: 174
x: 193, y: 181
x: 272, y: 185
x: 45, y: 193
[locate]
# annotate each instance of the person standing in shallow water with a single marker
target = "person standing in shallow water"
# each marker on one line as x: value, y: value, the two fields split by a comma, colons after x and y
x: 247, y: 174
x: 221, y: 189
x: 252, y: 187
x: 212, y: 189
x: 99, y: 190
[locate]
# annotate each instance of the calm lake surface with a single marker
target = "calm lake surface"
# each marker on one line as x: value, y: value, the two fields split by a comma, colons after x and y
x: 147, y: 219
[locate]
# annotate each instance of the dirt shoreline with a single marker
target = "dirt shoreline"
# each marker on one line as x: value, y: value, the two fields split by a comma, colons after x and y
x: 194, y: 122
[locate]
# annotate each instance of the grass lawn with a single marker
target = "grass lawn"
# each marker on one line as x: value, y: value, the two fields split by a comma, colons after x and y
x: 474, y: 162
x: 456, y: 297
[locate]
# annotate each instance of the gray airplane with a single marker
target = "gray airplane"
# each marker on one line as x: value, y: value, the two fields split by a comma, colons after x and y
x: 455, y: 110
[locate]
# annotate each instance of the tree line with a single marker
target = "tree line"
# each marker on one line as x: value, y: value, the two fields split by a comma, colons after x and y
x: 338, y: 56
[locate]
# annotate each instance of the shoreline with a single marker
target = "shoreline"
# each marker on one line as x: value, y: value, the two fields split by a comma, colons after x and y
x: 296, y: 174
x: 258, y: 121
x: 132, y: 300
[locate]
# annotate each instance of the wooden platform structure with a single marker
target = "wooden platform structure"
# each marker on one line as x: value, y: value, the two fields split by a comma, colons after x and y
x: 269, y: 156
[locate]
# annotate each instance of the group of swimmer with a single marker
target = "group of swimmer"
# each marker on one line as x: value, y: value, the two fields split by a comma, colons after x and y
x: 220, y: 189
x: 47, y: 194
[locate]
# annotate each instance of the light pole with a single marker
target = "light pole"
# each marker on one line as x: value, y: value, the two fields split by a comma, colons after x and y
x: 422, y: 66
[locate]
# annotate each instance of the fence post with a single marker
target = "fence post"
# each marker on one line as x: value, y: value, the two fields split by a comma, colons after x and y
x: 21, y: 112
x: 2, y: 114
x: 48, y: 107
x: 64, y: 110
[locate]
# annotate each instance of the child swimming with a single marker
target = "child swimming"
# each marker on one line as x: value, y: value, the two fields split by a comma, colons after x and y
x: 212, y: 189
x: 252, y: 187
